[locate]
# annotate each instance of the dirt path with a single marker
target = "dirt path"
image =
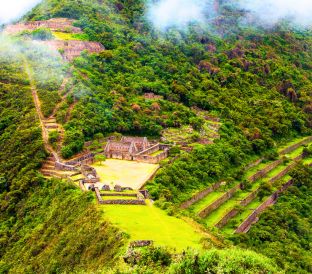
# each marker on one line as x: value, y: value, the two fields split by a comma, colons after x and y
x: 45, y: 133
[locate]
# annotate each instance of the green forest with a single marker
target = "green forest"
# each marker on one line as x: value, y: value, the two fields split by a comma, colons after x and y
x: 257, y: 81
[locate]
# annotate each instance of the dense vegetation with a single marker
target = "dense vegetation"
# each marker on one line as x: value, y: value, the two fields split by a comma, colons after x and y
x: 257, y: 81
x: 213, y: 261
x: 46, y: 225
x: 284, y: 231
x: 258, y: 84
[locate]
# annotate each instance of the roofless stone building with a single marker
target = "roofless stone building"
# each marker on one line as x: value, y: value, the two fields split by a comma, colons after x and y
x: 136, y: 149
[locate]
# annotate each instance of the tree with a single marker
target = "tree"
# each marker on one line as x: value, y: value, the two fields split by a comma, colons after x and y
x: 100, y: 158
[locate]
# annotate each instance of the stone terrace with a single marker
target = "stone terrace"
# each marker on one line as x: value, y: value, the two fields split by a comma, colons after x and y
x: 73, y: 48
x: 55, y: 24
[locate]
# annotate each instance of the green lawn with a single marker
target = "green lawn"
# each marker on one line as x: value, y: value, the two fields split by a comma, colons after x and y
x: 276, y: 171
x: 247, y: 210
x: 217, y: 214
x: 151, y: 223
x: 292, y: 142
x: 210, y: 198
x: 295, y: 153
x: 307, y: 161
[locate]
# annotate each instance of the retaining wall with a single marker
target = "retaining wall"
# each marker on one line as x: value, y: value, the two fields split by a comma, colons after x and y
x: 261, y: 173
x: 253, y: 164
x: 61, y: 166
x: 283, y: 173
x: 200, y: 195
x: 79, y: 160
x: 123, y: 202
x: 119, y: 194
x: 98, y: 195
x: 295, y: 146
x: 246, y: 224
x: 141, y: 243
x: 151, y: 159
x: 226, y: 196
x: 233, y: 212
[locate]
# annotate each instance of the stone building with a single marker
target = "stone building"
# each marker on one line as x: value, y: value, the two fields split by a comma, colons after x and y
x: 136, y: 149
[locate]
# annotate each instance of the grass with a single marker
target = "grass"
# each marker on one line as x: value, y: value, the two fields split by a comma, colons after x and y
x: 307, y: 161
x: 69, y: 36
x: 255, y: 169
x: 156, y: 153
x: 210, y: 198
x: 295, y: 153
x: 293, y: 141
x: 217, y: 214
x: 151, y: 223
x: 124, y: 173
x: 276, y: 171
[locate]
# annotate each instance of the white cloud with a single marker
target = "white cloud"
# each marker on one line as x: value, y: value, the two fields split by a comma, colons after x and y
x: 179, y: 13
x: 14, y: 9
x: 271, y: 11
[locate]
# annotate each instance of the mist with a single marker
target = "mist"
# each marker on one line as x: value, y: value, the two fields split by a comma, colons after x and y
x: 180, y: 13
x: 11, y: 10
x: 270, y: 12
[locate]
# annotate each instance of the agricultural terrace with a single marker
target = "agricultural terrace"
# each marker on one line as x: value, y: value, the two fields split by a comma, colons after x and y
x: 124, y: 173
x: 151, y: 223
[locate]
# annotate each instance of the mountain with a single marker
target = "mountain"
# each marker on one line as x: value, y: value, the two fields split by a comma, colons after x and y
x: 226, y: 112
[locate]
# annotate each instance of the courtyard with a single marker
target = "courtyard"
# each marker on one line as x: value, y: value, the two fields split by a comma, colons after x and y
x: 124, y: 173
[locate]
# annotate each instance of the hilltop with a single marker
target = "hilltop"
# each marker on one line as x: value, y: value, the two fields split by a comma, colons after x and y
x: 122, y: 146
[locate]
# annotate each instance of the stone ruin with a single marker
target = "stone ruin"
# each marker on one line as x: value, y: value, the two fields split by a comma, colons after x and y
x: 54, y: 24
x: 72, y: 48
x: 90, y: 174
x: 152, y: 96
x: 136, y: 149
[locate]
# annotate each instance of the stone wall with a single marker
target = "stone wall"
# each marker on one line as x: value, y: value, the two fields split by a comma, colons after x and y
x: 233, y: 212
x: 78, y: 161
x: 61, y: 166
x: 200, y: 195
x: 261, y: 173
x: 141, y: 243
x: 119, y: 194
x: 253, y: 164
x: 81, y: 185
x: 151, y: 159
x: 283, y: 173
x: 98, y: 195
x: 123, y: 202
x: 295, y: 146
x: 149, y: 150
x: 246, y: 224
x: 226, y: 196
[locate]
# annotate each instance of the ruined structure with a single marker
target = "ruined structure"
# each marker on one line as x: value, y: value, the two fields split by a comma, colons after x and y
x: 54, y: 24
x: 72, y: 48
x: 89, y: 174
x: 152, y: 96
x: 136, y: 149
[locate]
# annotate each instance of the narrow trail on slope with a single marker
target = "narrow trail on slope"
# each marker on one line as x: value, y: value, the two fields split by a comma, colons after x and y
x: 45, y: 133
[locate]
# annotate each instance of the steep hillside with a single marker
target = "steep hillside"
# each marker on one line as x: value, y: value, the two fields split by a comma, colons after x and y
x: 231, y: 105
x: 284, y: 231
x: 46, y: 225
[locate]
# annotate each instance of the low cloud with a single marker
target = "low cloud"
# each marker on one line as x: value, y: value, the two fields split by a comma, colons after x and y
x: 11, y: 10
x: 179, y: 13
